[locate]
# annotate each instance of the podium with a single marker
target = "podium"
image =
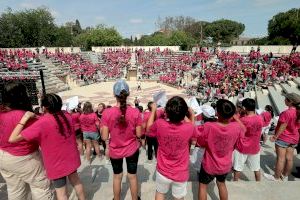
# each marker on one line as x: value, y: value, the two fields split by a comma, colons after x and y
x: 132, y: 75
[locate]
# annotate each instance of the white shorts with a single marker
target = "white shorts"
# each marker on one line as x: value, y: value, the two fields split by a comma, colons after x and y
x: 240, y: 159
x: 163, y: 185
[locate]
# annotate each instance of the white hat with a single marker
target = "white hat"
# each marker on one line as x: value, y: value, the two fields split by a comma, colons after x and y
x: 208, y: 111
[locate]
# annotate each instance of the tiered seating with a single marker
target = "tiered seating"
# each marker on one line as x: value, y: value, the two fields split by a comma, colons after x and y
x: 276, y: 98
x: 113, y: 63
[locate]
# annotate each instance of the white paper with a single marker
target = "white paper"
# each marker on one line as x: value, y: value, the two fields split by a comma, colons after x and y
x: 193, y: 103
x: 160, y: 98
x: 72, y: 102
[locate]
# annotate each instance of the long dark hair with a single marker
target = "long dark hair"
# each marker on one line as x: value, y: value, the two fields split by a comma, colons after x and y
x: 15, y: 97
x: 53, y: 103
x: 269, y: 108
x: 122, y: 98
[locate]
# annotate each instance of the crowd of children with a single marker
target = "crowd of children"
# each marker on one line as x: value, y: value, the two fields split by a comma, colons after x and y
x: 229, y: 135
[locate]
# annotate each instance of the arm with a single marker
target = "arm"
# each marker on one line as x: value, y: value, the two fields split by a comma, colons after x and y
x: 152, y: 117
x: 191, y: 117
x: 280, y: 129
x: 138, y: 131
x: 16, y: 134
x: 237, y: 119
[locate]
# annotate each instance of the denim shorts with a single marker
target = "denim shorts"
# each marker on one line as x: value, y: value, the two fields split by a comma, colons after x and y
x: 91, y: 136
x: 284, y: 144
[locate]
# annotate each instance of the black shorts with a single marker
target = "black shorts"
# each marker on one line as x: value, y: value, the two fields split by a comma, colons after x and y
x: 61, y: 182
x: 206, y: 178
x: 78, y: 134
x: 131, y: 162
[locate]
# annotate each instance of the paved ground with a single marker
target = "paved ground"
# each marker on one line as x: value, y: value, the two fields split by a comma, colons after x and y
x: 103, y: 92
x: 97, y: 177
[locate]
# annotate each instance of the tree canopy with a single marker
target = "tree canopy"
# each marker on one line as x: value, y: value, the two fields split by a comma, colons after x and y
x: 285, y: 27
x: 224, y: 30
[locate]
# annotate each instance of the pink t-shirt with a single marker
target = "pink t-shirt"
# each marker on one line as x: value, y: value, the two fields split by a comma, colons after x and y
x: 8, y: 121
x: 219, y: 142
x: 88, y: 122
x: 75, y: 120
x: 123, y: 141
x: 60, y: 153
x: 173, y: 148
x: 250, y: 143
x: 266, y: 118
x: 291, y: 134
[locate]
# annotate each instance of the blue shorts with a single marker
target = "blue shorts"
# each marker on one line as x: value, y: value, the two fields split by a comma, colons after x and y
x: 91, y: 136
x: 284, y: 144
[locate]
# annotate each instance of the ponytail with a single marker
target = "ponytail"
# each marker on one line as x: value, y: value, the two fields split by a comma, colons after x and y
x: 298, y: 112
x: 122, y: 98
x: 53, y: 103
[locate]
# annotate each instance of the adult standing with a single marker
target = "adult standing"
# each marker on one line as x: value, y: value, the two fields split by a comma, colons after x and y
x: 286, y: 138
x: 123, y: 125
x: 56, y: 136
x: 20, y: 163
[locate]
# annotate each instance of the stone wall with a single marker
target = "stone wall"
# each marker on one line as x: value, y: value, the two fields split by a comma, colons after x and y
x: 133, y: 48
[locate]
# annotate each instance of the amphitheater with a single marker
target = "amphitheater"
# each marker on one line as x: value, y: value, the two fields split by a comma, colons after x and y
x: 97, y: 178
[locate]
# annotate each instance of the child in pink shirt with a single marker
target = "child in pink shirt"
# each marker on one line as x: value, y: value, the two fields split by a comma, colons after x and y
x: 173, y: 135
x: 90, y: 124
x: 123, y: 124
x: 56, y: 136
x: 248, y: 147
x: 286, y: 138
x: 219, y: 140
x: 76, y: 123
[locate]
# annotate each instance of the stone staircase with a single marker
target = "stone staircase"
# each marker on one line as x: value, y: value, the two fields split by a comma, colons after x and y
x: 53, y: 84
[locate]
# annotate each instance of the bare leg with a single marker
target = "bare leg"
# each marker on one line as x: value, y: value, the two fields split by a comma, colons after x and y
x: 61, y: 193
x: 159, y: 196
x: 80, y: 145
x: 76, y: 183
x: 280, y: 162
x: 88, y: 150
x: 202, y: 191
x: 133, y: 185
x: 223, y: 193
x: 117, y: 186
x: 96, y: 147
x: 257, y: 175
x: 289, y: 161
x: 236, y: 175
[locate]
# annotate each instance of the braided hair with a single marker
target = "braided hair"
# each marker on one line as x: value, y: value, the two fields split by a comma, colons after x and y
x: 122, y: 98
x: 53, y: 103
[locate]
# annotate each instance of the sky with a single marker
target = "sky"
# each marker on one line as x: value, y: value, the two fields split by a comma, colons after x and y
x: 138, y: 17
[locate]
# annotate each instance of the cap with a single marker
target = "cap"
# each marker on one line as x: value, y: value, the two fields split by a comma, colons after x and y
x: 293, y: 98
x: 119, y: 86
x: 208, y: 111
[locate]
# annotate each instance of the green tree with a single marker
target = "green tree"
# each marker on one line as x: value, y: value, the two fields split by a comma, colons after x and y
x: 63, y: 37
x: 224, y: 30
x: 99, y: 36
x: 27, y: 28
x: 285, y: 26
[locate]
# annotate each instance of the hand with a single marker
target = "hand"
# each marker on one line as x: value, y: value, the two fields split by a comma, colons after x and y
x: 153, y: 107
x: 235, y: 117
x: 107, y: 152
x: 191, y: 111
x: 273, y: 138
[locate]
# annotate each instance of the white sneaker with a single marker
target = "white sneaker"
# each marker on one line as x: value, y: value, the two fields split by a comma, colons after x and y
x: 270, y: 177
x: 284, y: 178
